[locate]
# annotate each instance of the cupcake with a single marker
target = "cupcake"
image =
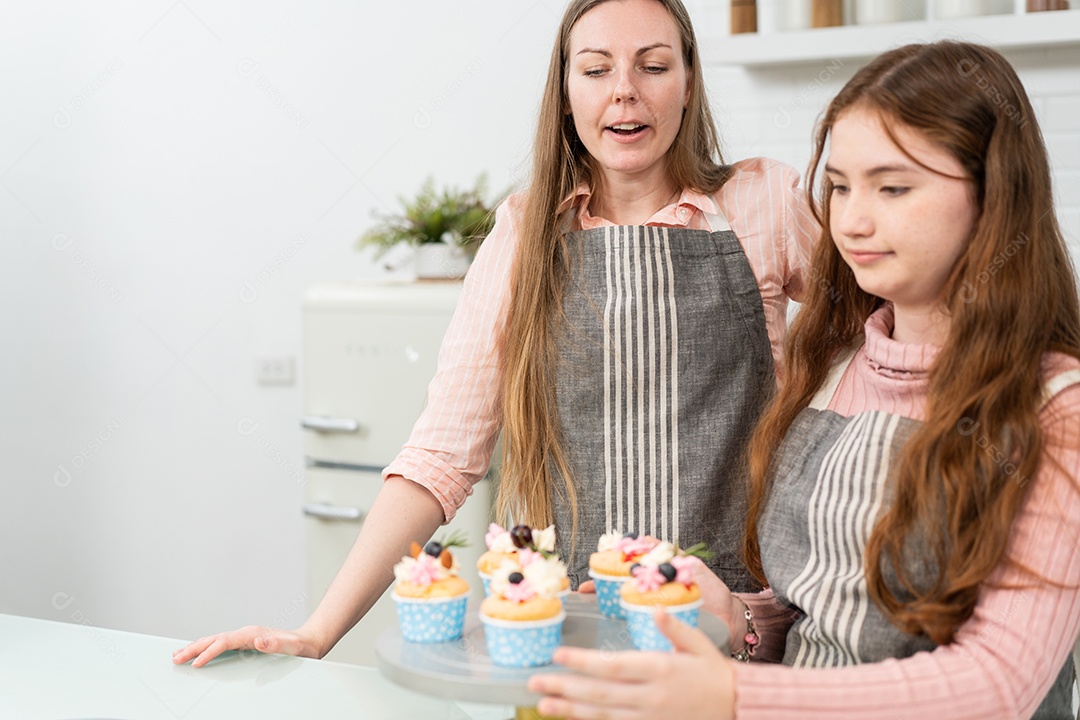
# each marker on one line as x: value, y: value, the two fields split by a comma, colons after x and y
x: 523, y: 615
x: 669, y: 584
x: 500, y: 548
x: 609, y: 566
x: 505, y: 546
x: 429, y: 594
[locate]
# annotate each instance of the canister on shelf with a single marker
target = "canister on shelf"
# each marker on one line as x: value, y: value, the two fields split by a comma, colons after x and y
x: 743, y: 16
x: 947, y: 9
x: 769, y: 16
x: 1043, y: 5
x: 796, y: 15
x: 826, y: 13
x: 869, y: 12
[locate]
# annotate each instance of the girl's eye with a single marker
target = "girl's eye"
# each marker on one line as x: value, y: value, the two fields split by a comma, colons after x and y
x: 839, y: 189
x: 893, y: 191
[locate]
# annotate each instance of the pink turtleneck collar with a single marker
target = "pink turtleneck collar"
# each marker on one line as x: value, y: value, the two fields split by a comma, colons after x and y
x: 893, y: 358
x: 885, y: 374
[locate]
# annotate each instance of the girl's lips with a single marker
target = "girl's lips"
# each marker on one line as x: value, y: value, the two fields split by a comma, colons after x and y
x: 865, y: 258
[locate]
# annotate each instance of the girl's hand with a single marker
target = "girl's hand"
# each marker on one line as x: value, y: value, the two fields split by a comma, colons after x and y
x: 252, y: 637
x: 587, y: 587
x: 695, y: 681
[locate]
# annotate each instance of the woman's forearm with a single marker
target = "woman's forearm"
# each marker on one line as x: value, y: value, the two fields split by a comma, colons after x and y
x: 402, y: 512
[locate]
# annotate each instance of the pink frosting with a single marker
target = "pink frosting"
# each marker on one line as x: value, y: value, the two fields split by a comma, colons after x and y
x: 494, y: 531
x: 684, y: 569
x: 648, y: 578
x: 527, y: 557
x: 635, y: 547
x: 521, y: 592
x: 425, y: 570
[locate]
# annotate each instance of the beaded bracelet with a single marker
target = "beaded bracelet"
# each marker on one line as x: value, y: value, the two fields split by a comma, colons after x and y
x: 752, y: 638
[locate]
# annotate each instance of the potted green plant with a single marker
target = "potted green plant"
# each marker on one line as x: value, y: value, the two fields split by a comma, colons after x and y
x: 444, y: 228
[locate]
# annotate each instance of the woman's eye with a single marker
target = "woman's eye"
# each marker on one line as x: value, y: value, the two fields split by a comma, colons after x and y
x: 655, y: 69
x: 594, y: 72
x: 839, y: 189
x: 893, y: 191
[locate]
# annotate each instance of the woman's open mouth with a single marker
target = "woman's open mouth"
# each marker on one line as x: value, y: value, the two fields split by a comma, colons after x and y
x: 627, y: 131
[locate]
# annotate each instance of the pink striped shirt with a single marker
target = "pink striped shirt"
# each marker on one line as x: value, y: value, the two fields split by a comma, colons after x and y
x: 451, y: 444
x: 1008, y: 654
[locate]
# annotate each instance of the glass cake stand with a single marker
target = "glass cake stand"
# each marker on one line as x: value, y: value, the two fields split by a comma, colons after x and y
x: 462, y: 670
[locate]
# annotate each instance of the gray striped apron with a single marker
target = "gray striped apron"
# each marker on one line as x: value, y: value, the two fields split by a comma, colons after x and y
x: 830, y: 486
x: 664, y: 366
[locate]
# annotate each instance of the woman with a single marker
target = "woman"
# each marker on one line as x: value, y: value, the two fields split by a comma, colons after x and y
x: 914, y: 505
x: 619, y: 326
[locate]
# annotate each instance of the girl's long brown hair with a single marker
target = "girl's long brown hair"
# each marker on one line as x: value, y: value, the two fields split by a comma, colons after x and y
x: 534, y: 465
x: 962, y: 478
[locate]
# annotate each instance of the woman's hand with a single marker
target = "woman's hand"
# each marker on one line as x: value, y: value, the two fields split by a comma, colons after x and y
x: 718, y: 600
x: 696, y: 681
x: 252, y: 637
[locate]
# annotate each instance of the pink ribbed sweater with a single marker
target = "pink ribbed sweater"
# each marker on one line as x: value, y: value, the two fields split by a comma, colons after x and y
x: 1006, y: 656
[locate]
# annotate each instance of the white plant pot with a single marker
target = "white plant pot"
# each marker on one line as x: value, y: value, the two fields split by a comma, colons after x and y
x: 439, y: 261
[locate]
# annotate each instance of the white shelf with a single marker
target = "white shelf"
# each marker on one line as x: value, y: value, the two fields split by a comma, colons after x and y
x: 1043, y: 29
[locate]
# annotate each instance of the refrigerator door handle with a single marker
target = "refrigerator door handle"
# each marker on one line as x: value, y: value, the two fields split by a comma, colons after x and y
x: 321, y: 423
x: 326, y: 511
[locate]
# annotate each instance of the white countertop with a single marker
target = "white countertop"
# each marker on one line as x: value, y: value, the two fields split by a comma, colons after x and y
x: 53, y: 670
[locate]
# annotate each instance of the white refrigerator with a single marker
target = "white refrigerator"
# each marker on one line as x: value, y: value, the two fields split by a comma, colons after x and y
x: 369, y: 352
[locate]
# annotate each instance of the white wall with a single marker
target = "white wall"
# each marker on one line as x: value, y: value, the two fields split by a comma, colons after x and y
x: 172, y: 176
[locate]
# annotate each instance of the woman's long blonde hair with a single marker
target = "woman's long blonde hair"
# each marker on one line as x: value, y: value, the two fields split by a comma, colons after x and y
x: 534, y: 465
x: 1011, y: 298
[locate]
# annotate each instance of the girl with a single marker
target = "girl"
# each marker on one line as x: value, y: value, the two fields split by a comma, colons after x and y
x: 914, y: 502
x: 619, y: 326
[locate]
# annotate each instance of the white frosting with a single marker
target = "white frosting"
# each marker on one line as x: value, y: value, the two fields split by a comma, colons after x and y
x: 607, y: 541
x: 662, y: 553
x: 544, y: 539
x: 500, y: 576
x: 546, y: 576
x: 503, y: 543
x: 401, y: 570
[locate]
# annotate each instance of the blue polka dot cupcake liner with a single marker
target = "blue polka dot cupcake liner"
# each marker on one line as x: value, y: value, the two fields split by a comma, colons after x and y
x: 522, y: 644
x: 431, y: 620
x: 643, y: 631
x: 607, y: 593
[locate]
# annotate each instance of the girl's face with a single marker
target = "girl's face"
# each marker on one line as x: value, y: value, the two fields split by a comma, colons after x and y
x: 900, y: 226
x: 627, y: 86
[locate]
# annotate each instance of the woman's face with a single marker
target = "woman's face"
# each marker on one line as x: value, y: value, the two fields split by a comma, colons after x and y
x: 627, y: 87
x: 900, y: 226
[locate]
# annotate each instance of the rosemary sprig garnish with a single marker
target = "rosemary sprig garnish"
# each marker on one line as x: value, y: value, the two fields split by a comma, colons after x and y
x: 700, y: 550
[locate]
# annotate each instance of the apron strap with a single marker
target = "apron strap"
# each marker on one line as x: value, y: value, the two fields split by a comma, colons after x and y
x: 832, y: 380
x: 1058, y: 383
